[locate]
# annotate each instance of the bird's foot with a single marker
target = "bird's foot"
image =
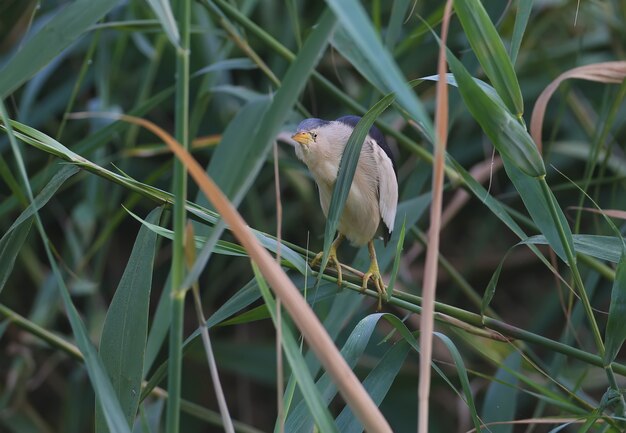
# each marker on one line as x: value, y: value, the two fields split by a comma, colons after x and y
x: 332, y: 260
x: 373, y: 274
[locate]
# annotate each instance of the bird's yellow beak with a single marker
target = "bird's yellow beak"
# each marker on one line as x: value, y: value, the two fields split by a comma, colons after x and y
x: 303, y: 138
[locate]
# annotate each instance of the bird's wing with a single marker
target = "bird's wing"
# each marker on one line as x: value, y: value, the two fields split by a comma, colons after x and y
x: 387, y: 187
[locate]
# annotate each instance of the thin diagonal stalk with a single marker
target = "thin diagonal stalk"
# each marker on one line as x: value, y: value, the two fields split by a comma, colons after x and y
x: 178, y: 246
x: 206, y: 340
x: 195, y: 266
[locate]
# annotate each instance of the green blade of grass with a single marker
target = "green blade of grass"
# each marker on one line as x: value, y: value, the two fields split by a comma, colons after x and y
x: 60, y: 32
x: 364, y: 331
x: 359, y: 27
x: 325, y: 291
x: 537, y: 206
x: 490, y: 290
x: 524, y: 7
x: 615, y: 333
x: 352, y: 350
x: 396, y: 261
x: 344, y: 307
x: 345, y: 174
x: 377, y: 384
x: 488, y: 47
x: 343, y: 43
x: 462, y: 374
x: 490, y: 91
x: 394, y: 28
x: 501, y: 399
x: 318, y: 408
x: 10, y: 246
x: 297, y: 75
x: 242, y: 63
x: 123, y: 340
x: 289, y: 256
x: 504, y: 131
x: 601, y: 247
x: 163, y: 11
x: 239, y: 301
x: 13, y: 239
x: 46, y: 194
x: 293, y: 82
x: 238, y: 149
x: 156, y: 336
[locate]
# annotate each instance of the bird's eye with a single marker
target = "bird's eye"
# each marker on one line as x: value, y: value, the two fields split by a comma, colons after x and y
x: 314, y: 135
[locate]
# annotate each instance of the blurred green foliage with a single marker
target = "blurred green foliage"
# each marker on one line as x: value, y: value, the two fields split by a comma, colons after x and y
x: 124, y: 62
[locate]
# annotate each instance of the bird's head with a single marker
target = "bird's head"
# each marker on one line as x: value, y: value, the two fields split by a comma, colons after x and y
x: 307, y: 133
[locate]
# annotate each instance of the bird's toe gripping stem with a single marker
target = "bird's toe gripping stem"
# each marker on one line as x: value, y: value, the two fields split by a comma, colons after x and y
x: 332, y: 258
x: 373, y: 273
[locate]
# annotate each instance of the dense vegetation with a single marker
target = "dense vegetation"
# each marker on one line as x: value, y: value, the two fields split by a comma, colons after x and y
x: 102, y: 290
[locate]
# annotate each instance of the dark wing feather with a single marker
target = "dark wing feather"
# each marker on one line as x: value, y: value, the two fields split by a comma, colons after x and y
x: 375, y: 133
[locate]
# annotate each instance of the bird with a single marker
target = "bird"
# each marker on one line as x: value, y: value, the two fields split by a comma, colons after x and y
x: 370, y: 208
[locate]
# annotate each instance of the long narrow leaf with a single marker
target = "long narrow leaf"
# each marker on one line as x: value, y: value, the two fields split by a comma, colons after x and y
x: 13, y: 239
x: 10, y: 246
x: 616, y: 326
x: 396, y: 261
x: 239, y: 147
x: 601, y: 247
x: 524, y: 8
x: 377, y: 384
x: 351, y: 351
x: 344, y: 306
x: 123, y: 341
x: 501, y: 398
x: 289, y: 256
x: 394, y: 29
x: 163, y: 11
x: 537, y: 205
x: 46, y: 194
x: 505, y: 132
x: 462, y: 373
x: 488, y: 47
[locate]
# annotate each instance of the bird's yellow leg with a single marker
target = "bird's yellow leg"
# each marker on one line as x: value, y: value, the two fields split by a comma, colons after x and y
x: 332, y: 257
x: 373, y: 273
